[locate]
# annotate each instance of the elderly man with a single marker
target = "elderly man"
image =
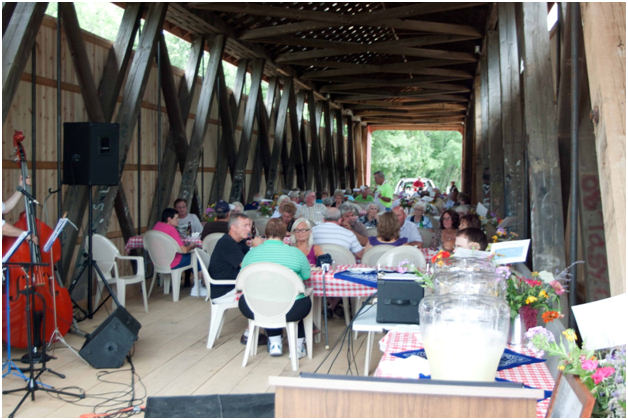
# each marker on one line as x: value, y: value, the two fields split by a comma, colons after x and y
x: 331, y: 232
x: 408, y: 229
x: 188, y: 222
x: 384, y: 191
x: 312, y: 210
x: 349, y: 220
x: 226, y: 260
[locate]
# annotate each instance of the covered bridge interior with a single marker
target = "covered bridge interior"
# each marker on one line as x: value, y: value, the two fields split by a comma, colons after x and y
x: 492, y: 71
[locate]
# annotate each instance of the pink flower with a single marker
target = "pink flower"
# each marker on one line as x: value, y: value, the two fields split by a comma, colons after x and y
x: 558, y: 288
x: 589, y: 364
x: 602, y: 373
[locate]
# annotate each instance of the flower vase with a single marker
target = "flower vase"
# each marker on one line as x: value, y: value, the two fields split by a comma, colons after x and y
x: 529, y: 317
x: 515, y: 333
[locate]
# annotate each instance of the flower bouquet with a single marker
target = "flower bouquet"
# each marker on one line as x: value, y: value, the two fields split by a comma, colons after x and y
x: 406, y: 203
x: 265, y: 209
x: 209, y: 215
x: 540, y: 292
x: 425, y: 278
x: 603, y: 373
x: 502, y: 234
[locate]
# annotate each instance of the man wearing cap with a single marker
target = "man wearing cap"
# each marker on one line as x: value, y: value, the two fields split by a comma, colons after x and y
x: 384, y: 191
x: 188, y: 222
x: 220, y: 225
x: 365, y: 195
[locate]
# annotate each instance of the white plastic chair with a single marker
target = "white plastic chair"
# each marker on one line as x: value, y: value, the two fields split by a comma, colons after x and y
x: 372, y: 231
x: 341, y: 256
x: 251, y: 213
x: 260, y: 224
x: 162, y: 249
x: 411, y: 254
x: 270, y: 290
x: 105, y: 254
x: 219, y: 305
x: 372, y: 254
x: 209, y: 242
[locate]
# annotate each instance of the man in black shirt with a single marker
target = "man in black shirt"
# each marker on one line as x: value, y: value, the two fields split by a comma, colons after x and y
x: 228, y: 254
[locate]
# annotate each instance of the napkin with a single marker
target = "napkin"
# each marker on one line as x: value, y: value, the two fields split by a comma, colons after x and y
x: 411, y: 367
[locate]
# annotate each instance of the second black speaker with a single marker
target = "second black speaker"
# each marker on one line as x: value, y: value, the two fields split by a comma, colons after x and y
x: 90, y: 153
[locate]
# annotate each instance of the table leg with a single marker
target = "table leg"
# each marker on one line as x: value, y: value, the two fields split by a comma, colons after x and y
x: 316, y: 308
x: 367, y: 356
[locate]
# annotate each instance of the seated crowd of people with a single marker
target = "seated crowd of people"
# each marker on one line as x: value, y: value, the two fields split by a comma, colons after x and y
x: 301, y: 223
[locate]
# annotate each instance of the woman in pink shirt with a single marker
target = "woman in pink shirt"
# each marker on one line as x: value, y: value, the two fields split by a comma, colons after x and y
x: 168, y: 225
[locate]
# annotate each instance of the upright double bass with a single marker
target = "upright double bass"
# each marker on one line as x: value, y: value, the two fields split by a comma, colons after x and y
x: 34, y: 280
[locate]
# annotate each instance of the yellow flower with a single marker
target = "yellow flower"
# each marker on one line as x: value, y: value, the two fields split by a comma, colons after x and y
x: 494, y: 238
x: 561, y: 367
x: 543, y: 294
x: 570, y: 334
x: 535, y: 274
x: 531, y: 299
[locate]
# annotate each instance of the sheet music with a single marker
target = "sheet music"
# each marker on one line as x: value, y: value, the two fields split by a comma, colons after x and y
x: 15, y: 245
x: 55, y: 234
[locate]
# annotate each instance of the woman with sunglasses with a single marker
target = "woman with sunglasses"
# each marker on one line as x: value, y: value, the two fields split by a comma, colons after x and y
x: 301, y: 237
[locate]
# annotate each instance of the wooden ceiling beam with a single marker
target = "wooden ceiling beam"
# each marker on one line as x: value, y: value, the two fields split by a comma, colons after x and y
x: 362, y: 104
x: 403, y: 68
x: 391, y: 119
x: 423, y: 126
x: 332, y: 17
x: 366, y: 49
x: 443, y: 87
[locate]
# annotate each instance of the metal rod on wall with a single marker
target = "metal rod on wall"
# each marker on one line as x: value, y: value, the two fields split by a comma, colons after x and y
x: 575, y: 99
x: 59, y: 195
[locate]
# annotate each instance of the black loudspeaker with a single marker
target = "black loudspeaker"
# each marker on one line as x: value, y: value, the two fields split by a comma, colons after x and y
x: 204, y: 406
x: 90, y: 153
x: 109, y: 344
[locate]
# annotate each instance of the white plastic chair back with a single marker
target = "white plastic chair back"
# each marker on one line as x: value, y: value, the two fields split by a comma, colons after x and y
x: 340, y: 255
x: 260, y: 224
x: 104, y: 254
x: 161, y: 248
x: 395, y: 256
x: 251, y: 213
x: 270, y: 290
x: 371, y: 255
x: 428, y: 237
x: 209, y: 242
x: 372, y: 231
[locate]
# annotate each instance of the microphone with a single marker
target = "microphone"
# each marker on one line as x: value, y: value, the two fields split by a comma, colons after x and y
x: 27, y: 194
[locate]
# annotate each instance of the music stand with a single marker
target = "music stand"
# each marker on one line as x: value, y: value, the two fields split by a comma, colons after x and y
x: 9, y: 364
x: 56, y: 333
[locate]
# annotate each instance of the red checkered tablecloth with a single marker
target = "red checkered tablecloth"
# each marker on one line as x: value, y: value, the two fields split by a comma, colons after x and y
x: 536, y: 375
x: 337, y: 287
x: 135, y: 242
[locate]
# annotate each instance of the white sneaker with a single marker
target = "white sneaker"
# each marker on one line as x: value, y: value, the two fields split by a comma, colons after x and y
x: 301, y: 350
x: 194, y: 292
x: 275, y: 349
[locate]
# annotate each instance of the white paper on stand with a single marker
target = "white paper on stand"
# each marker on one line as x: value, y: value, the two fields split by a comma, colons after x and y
x: 601, y: 322
x: 481, y: 210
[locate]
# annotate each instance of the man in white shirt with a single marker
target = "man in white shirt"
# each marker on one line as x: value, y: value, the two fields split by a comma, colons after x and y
x: 312, y: 210
x: 408, y: 229
x: 186, y: 219
x: 331, y: 232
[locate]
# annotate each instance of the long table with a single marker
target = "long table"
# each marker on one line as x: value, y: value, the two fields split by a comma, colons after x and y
x: 536, y: 375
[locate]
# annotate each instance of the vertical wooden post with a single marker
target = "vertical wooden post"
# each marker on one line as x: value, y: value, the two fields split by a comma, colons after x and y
x: 351, y: 152
x: 547, y: 227
x: 481, y: 143
x: 341, y: 170
x: 496, y: 148
x: 604, y: 28
x: 329, y: 149
x: 515, y: 202
x: 315, y: 143
x: 280, y: 129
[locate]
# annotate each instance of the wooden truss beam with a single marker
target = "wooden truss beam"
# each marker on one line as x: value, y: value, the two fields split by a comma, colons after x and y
x: 238, y: 182
x: 315, y: 174
x: 201, y: 122
x: 341, y: 169
x: 178, y: 103
x: 351, y: 152
x: 18, y: 40
x: 495, y: 145
x: 279, y: 137
x: 329, y: 148
x: 295, y: 161
x: 396, y: 68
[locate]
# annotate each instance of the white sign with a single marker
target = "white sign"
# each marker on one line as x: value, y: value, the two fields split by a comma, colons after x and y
x: 510, y: 252
x: 481, y: 210
x: 600, y: 322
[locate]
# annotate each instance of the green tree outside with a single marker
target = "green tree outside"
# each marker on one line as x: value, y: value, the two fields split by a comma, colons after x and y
x: 408, y: 154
